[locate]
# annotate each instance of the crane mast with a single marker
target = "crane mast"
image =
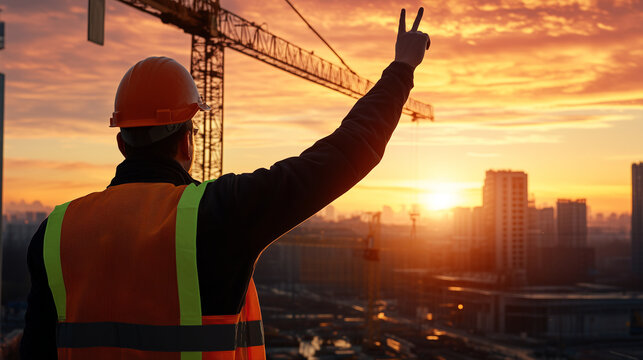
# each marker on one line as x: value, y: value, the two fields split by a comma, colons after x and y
x: 206, y: 67
x: 213, y: 29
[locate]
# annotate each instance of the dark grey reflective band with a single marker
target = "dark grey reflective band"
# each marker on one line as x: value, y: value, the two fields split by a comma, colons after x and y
x: 221, y: 337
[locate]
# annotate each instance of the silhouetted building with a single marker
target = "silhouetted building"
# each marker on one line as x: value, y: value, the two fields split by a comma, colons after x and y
x: 569, y: 260
x: 18, y: 228
x: 504, y: 202
x: 637, y: 223
x: 477, y: 224
x: 571, y: 218
x: 547, y: 225
x: 586, y: 312
x: 541, y: 235
x: 462, y: 237
x: 563, y: 265
x: 534, y: 239
x: 462, y: 226
x: 467, y: 237
x: 325, y: 265
x: 533, y: 226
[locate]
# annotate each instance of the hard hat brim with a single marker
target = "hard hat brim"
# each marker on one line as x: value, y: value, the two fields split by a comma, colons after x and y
x: 203, y: 106
x: 162, y: 116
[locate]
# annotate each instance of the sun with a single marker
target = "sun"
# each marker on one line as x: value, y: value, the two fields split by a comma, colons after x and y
x: 440, y: 200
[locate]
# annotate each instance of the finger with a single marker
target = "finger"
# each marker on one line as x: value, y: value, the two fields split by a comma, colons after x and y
x: 416, y: 23
x: 428, y: 41
x: 402, y: 27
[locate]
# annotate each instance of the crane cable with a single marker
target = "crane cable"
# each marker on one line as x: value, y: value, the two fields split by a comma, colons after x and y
x: 320, y: 37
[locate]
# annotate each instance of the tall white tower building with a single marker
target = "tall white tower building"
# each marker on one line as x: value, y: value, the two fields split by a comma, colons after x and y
x: 504, y: 202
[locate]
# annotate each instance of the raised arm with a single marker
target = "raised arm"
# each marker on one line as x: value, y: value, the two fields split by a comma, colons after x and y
x: 259, y: 207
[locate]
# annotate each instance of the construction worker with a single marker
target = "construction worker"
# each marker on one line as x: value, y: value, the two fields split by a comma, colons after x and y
x: 159, y: 266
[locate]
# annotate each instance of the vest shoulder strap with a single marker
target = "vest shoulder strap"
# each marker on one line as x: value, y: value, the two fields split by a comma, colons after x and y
x: 186, y: 263
x: 51, y: 257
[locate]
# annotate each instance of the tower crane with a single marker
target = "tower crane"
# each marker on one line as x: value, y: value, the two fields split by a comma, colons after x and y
x: 213, y: 29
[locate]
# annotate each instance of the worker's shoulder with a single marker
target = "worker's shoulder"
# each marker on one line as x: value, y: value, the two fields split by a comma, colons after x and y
x: 233, y: 193
x: 231, y: 186
x: 219, y: 189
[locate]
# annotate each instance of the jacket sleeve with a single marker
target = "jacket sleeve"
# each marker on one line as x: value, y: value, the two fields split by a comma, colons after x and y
x: 259, y: 207
x: 39, y: 336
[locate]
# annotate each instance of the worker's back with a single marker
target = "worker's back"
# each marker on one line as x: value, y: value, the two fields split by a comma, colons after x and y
x: 128, y: 259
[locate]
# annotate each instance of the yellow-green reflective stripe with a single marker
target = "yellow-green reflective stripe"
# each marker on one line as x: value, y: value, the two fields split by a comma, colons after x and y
x: 186, y: 269
x: 51, y: 256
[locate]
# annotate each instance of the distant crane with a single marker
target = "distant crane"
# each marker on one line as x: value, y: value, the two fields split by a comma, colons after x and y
x: 213, y: 29
x: 372, y: 259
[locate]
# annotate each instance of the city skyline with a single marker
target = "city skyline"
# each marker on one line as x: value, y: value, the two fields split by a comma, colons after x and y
x: 567, y: 116
x: 425, y: 208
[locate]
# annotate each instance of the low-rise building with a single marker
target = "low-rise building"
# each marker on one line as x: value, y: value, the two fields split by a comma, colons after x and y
x: 581, y: 312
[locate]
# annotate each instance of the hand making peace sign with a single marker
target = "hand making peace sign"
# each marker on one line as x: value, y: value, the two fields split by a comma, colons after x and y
x: 412, y: 44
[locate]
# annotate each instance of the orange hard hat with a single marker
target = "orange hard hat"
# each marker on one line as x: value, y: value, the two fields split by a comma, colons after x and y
x: 156, y: 91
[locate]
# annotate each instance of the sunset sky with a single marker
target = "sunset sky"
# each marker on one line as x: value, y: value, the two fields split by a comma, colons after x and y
x: 552, y: 88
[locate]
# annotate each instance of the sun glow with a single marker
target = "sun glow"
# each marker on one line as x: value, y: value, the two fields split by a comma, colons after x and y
x: 442, y: 198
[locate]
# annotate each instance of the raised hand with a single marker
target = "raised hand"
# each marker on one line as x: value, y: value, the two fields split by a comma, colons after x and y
x: 411, y: 45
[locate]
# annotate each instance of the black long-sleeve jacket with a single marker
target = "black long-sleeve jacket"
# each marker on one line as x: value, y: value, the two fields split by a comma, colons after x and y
x: 240, y: 215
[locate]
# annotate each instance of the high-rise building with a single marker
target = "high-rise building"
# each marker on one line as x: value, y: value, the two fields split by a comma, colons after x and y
x: 547, y: 226
x: 462, y: 238
x: 571, y: 220
x: 477, y: 226
x: 541, y: 235
x: 504, y: 202
x: 637, y: 223
x: 569, y: 260
x: 534, y: 239
x: 462, y: 227
x: 467, y: 237
x: 533, y: 223
x: 541, y: 226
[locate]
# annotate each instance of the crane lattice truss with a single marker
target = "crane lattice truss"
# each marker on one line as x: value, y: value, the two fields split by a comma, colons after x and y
x: 213, y: 29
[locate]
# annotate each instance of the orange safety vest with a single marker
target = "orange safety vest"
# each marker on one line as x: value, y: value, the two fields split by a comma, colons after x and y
x: 121, y: 265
